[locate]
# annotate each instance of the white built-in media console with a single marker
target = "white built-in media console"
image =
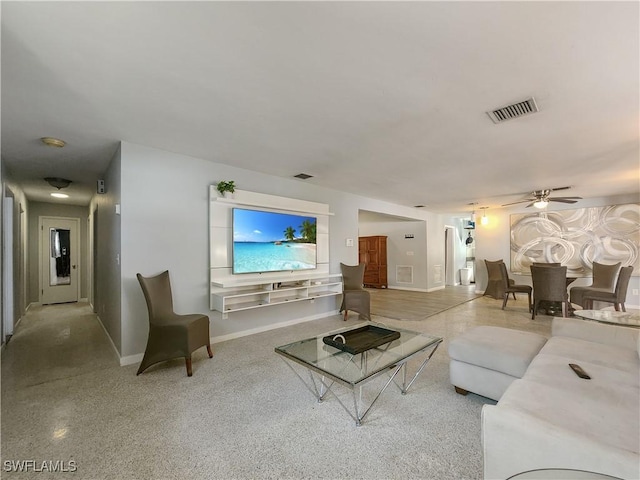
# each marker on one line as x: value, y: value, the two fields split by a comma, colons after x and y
x: 237, y: 284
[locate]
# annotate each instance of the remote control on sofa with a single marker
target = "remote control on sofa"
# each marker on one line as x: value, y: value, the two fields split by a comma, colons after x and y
x: 579, y: 371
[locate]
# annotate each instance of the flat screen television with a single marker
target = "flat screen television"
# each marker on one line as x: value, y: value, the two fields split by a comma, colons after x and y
x: 273, y: 242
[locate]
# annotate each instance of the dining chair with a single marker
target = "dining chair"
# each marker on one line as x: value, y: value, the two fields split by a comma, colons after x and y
x: 617, y: 297
x: 604, y: 278
x: 495, y: 286
x: 170, y: 335
x: 549, y: 285
x: 354, y: 296
x: 546, y: 264
x: 511, y: 287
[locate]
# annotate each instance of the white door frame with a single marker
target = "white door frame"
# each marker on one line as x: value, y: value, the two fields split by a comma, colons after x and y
x: 42, y: 244
x: 450, y: 260
x: 7, y: 270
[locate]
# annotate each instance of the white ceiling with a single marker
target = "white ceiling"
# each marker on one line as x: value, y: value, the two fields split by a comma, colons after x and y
x: 383, y: 99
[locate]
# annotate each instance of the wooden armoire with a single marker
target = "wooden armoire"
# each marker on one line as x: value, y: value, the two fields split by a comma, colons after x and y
x: 372, y: 251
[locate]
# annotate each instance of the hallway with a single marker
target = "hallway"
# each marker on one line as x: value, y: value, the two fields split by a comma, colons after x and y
x: 54, y: 342
x: 66, y: 398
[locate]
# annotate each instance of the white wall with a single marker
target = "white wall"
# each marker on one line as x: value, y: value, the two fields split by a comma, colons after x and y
x: 107, y: 272
x: 165, y: 226
x: 493, y: 242
x: 21, y: 261
x: 401, y: 250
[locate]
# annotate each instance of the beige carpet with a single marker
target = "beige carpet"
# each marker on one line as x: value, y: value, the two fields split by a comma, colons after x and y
x: 408, y: 305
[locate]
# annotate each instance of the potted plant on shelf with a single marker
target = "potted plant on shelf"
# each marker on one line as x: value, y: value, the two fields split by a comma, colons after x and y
x: 224, y: 187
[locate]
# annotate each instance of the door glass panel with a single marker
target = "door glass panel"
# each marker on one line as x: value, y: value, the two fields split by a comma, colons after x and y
x: 60, y: 258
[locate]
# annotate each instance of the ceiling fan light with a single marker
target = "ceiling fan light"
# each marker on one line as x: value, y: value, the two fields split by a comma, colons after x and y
x: 541, y: 203
x: 58, y: 182
x: 59, y: 195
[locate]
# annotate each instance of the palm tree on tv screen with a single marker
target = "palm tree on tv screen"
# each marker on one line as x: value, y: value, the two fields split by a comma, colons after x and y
x: 308, y: 230
x: 289, y: 233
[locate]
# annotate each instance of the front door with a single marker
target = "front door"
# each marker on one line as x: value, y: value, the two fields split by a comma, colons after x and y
x: 59, y: 251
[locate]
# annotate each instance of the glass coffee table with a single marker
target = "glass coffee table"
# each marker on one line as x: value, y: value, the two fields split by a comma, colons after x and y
x: 328, y: 365
x: 626, y: 319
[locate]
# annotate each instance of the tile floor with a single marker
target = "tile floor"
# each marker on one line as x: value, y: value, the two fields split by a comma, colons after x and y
x: 242, y: 415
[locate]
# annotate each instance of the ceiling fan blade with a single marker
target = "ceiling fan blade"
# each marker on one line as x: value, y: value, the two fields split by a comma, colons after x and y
x: 531, y: 204
x: 565, y: 198
x: 559, y: 188
x: 562, y: 200
x: 521, y: 201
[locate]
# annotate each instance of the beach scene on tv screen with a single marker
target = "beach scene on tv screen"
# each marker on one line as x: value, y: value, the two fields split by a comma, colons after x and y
x: 272, y: 242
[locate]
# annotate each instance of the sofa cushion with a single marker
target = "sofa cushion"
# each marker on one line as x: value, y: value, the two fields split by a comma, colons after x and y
x: 501, y: 349
x: 554, y: 370
x: 615, y: 335
x: 580, y: 351
x: 585, y: 407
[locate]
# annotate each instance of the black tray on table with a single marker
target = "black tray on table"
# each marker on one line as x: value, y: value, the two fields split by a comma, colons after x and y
x: 361, y: 339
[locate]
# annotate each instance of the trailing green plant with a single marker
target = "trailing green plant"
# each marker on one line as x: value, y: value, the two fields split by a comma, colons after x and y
x: 224, y: 186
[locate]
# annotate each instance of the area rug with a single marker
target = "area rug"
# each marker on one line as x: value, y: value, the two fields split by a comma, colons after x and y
x: 409, y: 305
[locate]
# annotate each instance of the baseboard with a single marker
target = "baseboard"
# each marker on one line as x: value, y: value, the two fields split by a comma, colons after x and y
x: 131, y: 359
x: 435, y: 289
x: 32, y: 304
x: 113, y: 345
x: 137, y: 358
x: 273, y: 326
x: 409, y: 289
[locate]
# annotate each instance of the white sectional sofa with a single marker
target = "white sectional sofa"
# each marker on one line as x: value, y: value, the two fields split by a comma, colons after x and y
x: 552, y: 419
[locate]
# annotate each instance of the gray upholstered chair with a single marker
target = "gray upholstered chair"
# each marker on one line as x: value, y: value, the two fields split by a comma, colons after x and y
x: 170, y: 335
x: 604, y: 278
x: 617, y: 297
x: 354, y: 296
x: 511, y: 287
x: 495, y: 286
x: 549, y: 285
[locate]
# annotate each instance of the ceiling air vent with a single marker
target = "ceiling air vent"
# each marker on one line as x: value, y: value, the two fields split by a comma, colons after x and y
x: 515, y: 110
x: 303, y: 176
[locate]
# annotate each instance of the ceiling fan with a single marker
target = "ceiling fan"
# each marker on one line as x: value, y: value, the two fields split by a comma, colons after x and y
x: 541, y: 198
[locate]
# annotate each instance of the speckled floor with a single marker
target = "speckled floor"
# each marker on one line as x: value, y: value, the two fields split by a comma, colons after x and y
x: 243, y: 414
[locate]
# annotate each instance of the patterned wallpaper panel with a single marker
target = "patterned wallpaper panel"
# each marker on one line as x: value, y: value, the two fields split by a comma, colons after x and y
x: 577, y: 238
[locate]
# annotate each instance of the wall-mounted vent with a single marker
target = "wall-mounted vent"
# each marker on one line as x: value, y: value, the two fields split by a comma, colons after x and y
x: 520, y: 109
x: 404, y: 274
x: 437, y: 273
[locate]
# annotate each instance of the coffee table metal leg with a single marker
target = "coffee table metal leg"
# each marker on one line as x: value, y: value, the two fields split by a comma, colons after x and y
x: 405, y: 386
x: 313, y: 388
x: 325, y: 387
x: 360, y: 418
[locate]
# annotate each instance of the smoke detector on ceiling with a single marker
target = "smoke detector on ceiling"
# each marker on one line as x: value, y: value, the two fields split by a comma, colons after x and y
x: 53, y: 142
x: 515, y: 110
